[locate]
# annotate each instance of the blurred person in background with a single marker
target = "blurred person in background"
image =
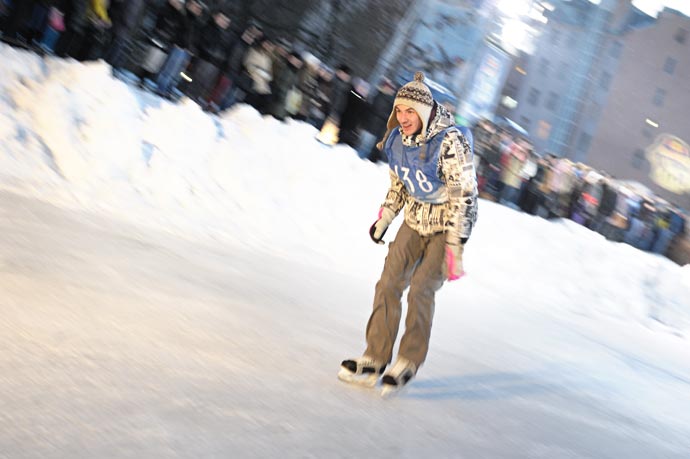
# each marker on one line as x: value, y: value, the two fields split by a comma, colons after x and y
x: 513, y: 161
x: 197, y: 18
x: 53, y: 28
x: 259, y: 66
x: 125, y: 16
x: 618, y: 222
x: 32, y: 29
x: 535, y: 174
x: 341, y: 85
x: 214, y: 42
x: 76, y: 22
x: 432, y: 177
x: 607, y: 205
x: 374, y: 119
x: 351, y: 117
x: 191, y: 20
x: 561, y: 186
x: 640, y: 233
x: 286, y: 84
x: 235, y: 83
x: 587, y: 198
x: 286, y: 67
x: 679, y: 245
x: 18, y: 15
x: 308, y: 85
x: 493, y: 153
x: 170, y: 20
x: 320, y: 102
x: 97, y: 31
x: 294, y: 95
x: 662, y: 230
x: 483, y: 131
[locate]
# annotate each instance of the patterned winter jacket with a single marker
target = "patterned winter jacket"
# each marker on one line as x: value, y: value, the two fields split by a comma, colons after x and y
x: 457, y: 212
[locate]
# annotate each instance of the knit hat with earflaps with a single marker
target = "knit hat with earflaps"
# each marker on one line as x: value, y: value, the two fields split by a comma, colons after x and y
x: 416, y: 95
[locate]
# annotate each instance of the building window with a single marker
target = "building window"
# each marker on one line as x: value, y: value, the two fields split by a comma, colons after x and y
x: 637, y: 159
x: 552, y: 101
x: 545, y: 64
x: 681, y: 36
x: 670, y: 65
x: 616, y: 48
x: 659, y: 96
x: 605, y: 80
x: 533, y: 96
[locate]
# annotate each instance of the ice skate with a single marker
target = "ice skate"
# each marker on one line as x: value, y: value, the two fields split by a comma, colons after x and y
x: 363, y: 371
x: 397, y: 377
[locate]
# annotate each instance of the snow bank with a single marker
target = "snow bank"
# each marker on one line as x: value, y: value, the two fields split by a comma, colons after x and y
x: 72, y: 135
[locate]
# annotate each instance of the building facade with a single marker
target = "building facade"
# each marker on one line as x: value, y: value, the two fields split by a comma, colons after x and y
x: 644, y: 129
x: 561, y: 87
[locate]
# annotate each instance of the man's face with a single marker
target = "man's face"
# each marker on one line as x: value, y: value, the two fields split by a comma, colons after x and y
x: 409, y: 120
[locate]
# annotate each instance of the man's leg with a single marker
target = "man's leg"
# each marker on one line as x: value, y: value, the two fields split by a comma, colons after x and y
x: 382, y: 328
x: 428, y: 277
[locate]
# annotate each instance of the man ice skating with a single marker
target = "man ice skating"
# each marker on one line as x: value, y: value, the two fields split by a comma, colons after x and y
x: 432, y: 176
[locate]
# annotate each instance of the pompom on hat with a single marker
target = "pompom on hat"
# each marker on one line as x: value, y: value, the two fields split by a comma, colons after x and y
x: 416, y: 95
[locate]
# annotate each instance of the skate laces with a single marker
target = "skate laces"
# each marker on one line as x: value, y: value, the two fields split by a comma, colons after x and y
x: 402, y: 371
x: 363, y: 365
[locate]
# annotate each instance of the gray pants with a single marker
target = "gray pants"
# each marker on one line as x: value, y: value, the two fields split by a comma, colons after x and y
x: 417, y: 262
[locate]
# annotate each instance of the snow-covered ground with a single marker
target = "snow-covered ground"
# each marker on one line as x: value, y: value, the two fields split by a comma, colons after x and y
x: 179, y: 285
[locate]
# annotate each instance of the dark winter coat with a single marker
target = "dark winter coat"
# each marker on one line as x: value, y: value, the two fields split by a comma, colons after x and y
x: 609, y: 196
x: 351, y: 117
x: 376, y: 114
x: 676, y: 223
x: 76, y: 18
x: 191, y: 33
x: 285, y: 76
x: 125, y: 16
x: 171, y: 25
x: 236, y: 60
x: 339, y: 94
x: 214, y: 44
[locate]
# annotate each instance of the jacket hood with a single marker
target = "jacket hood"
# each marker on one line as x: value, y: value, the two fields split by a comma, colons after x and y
x: 441, y: 119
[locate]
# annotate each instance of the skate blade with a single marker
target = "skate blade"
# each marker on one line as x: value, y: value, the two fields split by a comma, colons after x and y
x: 360, y: 380
x: 390, y: 391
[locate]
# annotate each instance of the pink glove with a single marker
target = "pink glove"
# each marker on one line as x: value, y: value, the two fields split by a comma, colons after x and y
x: 454, y: 270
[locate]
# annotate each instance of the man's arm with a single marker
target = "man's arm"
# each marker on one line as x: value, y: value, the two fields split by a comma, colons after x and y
x: 457, y: 170
x: 397, y: 194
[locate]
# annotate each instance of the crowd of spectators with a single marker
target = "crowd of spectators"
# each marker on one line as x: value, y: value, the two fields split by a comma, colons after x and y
x: 192, y: 48
x: 512, y: 173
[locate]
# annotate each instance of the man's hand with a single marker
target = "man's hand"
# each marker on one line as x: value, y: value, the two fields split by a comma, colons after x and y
x: 378, y: 229
x: 454, y: 269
